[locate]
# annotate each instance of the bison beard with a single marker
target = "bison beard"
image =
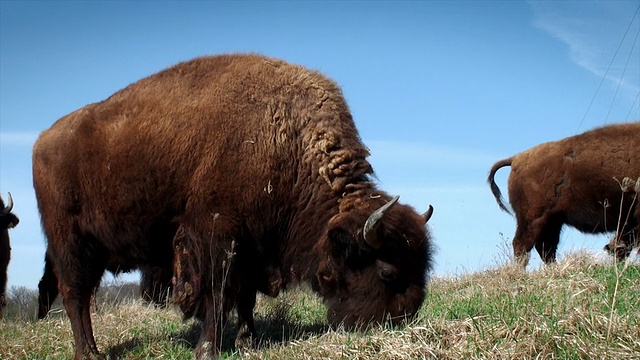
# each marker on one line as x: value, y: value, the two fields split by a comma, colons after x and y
x: 245, y: 174
x: 7, y: 221
x: 576, y: 181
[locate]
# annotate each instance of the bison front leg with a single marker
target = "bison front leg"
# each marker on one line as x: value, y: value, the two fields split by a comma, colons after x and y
x: 212, y: 329
x: 256, y: 276
x: 216, y: 312
x: 626, y: 238
x: 246, y: 326
x: 621, y: 246
x: 205, y: 284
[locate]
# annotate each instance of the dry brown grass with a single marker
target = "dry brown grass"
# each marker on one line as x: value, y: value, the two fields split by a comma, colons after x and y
x: 577, y: 309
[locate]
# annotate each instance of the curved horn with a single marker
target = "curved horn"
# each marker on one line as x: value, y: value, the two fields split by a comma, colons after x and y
x: 370, y: 226
x: 9, y: 207
x: 427, y: 214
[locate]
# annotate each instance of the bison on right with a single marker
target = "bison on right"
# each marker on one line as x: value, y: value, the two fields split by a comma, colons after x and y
x: 585, y: 181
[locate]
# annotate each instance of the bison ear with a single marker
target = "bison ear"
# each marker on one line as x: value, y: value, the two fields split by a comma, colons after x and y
x: 347, y: 251
x: 340, y: 237
x: 345, y: 243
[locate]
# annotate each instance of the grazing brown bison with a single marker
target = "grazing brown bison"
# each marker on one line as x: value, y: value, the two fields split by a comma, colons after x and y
x: 260, y: 165
x: 155, y: 286
x: 575, y: 181
x: 7, y: 221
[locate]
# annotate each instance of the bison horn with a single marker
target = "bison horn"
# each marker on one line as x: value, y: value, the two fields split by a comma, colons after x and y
x: 427, y: 214
x: 9, y: 206
x: 371, y: 225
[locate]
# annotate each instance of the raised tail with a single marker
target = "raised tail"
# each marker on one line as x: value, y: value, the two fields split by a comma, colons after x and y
x: 492, y: 183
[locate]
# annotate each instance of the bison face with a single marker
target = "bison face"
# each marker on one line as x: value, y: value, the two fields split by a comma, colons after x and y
x: 361, y: 282
x: 7, y: 219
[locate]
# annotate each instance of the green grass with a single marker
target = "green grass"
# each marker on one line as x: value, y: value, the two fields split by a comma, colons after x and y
x: 574, y: 310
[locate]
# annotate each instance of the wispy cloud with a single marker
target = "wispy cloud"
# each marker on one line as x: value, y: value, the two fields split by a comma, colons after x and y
x: 18, y: 138
x: 594, y: 31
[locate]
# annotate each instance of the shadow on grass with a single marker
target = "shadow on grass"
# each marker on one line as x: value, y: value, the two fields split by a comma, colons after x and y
x: 277, y: 332
x: 270, y: 332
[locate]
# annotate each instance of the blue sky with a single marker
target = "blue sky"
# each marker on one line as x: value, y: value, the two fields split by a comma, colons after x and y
x: 439, y: 90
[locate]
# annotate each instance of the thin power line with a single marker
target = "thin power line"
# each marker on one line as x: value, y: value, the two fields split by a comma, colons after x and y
x: 624, y: 70
x: 628, y: 117
x: 608, y: 68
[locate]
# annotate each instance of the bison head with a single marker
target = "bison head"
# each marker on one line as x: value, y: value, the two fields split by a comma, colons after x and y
x: 375, y: 258
x: 7, y: 218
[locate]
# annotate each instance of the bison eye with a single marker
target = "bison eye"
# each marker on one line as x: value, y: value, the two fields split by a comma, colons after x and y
x: 386, y: 271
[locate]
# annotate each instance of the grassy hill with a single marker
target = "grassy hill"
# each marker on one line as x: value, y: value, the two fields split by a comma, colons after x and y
x: 576, y: 309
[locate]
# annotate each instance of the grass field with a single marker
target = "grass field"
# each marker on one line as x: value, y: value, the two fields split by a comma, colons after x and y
x: 576, y: 309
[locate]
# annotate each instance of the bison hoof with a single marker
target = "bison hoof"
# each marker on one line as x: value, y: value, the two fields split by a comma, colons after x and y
x: 91, y: 356
x: 622, y: 253
x: 245, y: 340
x: 245, y: 343
x: 205, y: 351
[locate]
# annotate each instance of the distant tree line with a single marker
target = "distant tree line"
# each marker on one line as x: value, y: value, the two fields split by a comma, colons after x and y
x: 22, y: 302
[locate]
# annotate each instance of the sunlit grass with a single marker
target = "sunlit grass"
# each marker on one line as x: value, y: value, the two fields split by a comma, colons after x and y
x: 576, y: 309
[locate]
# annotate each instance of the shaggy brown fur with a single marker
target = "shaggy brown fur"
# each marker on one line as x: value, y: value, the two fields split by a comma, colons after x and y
x: 7, y: 221
x: 259, y: 163
x: 574, y: 181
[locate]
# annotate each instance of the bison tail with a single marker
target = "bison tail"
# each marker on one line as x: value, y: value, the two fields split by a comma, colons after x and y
x: 492, y: 183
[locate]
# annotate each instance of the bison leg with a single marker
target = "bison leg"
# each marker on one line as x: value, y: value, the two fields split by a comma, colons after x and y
x: 527, y: 236
x: 621, y: 247
x: 547, y: 244
x: 79, y: 271
x: 5, y: 250
x: 627, y: 237
x: 155, y: 285
x: 636, y: 232
x: 522, y: 245
x: 3, y: 286
x: 246, y: 326
x: 206, y: 281
x: 256, y: 276
x: 77, y: 305
x: 47, y: 288
x: 213, y: 324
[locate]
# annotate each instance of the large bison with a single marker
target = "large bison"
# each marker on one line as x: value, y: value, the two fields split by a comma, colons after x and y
x: 252, y: 172
x: 7, y: 221
x: 578, y: 181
